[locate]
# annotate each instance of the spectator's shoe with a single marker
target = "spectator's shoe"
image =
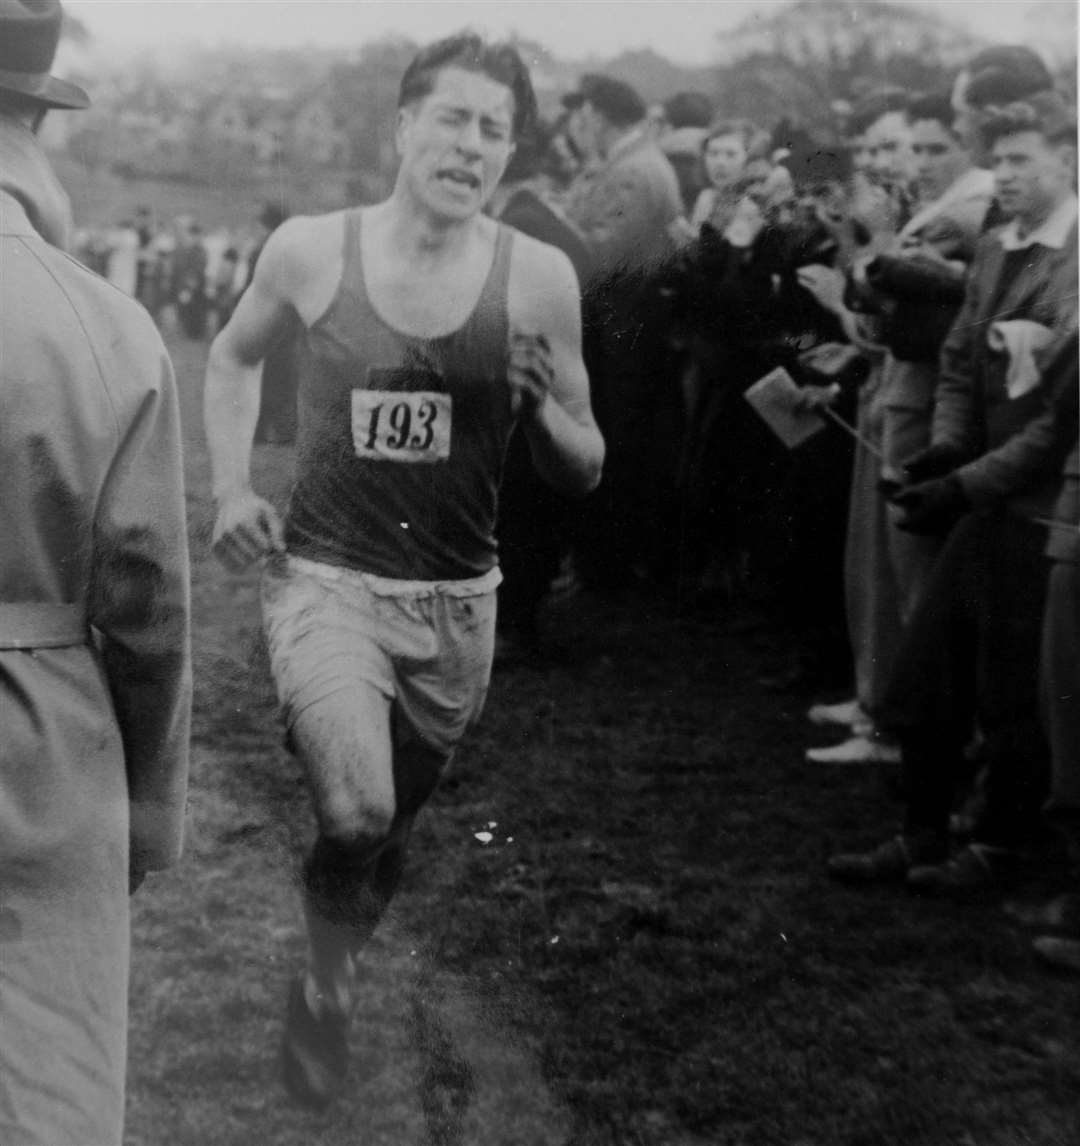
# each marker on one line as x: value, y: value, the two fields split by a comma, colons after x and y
x: 1062, y: 913
x: 856, y: 750
x: 1064, y: 954
x: 846, y: 714
x: 975, y: 871
x: 314, y: 1051
x: 889, y: 863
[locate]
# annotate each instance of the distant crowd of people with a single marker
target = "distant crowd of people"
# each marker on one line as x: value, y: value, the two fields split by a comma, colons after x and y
x: 178, y: 265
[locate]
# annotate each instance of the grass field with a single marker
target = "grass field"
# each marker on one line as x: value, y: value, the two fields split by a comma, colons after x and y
x: 645, y: 954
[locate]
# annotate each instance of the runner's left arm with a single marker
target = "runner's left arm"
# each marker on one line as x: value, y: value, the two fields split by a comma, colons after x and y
x: 547, y: 376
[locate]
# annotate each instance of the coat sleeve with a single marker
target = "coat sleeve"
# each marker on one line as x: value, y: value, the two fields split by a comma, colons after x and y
x: 956, y: 416
x: 139, y: 605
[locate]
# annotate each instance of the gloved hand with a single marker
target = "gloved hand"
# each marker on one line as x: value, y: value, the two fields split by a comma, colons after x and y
x: 933, y: 462
x: 931, y: 506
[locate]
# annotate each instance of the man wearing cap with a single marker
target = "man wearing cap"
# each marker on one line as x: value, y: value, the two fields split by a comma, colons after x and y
x: 624, y: 204
x: 1000, y: 433
x: 94, y: 658
x: 629, y: 195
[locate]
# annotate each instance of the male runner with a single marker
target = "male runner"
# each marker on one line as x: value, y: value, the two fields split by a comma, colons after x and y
x: 427, y: 330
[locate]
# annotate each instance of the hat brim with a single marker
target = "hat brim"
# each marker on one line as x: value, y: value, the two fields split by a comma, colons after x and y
x: 45, y: 90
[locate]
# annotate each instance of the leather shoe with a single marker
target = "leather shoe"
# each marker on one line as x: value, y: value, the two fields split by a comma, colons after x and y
x: 1062, y: 913
x: 890, y: 862
x: 857, y: 750
x: 975, y: 871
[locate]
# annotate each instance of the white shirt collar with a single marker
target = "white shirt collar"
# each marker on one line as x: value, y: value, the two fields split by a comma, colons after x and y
x: 1053, y: 233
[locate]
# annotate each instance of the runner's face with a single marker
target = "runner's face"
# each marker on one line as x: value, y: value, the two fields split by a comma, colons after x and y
x: 940, y: 158
x: 456, y: 142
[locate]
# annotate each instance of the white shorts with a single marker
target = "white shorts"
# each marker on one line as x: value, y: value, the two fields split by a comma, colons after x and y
x: 426, y: 646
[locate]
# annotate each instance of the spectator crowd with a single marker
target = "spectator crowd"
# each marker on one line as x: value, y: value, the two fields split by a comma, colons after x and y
x: 839, y: 380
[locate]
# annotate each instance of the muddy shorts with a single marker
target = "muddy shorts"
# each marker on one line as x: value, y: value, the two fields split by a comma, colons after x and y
x: 426, y: 646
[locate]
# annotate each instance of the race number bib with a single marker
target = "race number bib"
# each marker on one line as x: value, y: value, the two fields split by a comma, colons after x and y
x: 402, y: 426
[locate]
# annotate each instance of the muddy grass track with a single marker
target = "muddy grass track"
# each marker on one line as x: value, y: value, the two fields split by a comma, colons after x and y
x: 645, y: 952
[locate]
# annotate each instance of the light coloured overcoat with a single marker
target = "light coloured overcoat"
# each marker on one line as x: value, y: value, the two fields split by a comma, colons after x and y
x: 94, y: 672
x: 624, y: 207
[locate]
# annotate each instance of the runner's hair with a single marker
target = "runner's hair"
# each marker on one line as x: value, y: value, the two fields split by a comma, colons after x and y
x: 471, y: 52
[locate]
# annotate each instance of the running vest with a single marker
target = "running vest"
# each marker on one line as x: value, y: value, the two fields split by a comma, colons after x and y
x: 401, y: 440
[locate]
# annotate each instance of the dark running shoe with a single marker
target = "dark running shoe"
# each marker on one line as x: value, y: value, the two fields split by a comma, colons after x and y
x: 314, y: 1051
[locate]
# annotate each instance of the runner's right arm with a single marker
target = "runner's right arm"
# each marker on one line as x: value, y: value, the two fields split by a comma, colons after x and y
x: 247, y: 526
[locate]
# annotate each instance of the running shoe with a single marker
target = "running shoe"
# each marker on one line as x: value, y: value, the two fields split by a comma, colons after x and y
x: 314, y: 1050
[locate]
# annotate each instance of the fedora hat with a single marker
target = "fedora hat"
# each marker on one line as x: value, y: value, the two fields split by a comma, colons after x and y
x: 29, y: 35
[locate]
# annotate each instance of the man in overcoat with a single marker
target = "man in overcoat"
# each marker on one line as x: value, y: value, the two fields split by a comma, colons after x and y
x: 624, y: 204
x: 94, y: 653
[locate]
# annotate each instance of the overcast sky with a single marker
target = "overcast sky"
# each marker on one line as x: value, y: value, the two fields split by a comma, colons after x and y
x: 684, y: 30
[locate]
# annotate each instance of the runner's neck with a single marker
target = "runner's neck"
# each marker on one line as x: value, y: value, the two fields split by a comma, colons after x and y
x: 418, y: 238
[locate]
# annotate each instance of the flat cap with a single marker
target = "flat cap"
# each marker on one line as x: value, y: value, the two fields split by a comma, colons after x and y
x: 612, y: 98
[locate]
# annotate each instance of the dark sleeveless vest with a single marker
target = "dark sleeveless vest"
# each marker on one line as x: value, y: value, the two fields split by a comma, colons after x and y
x: 401, y: 439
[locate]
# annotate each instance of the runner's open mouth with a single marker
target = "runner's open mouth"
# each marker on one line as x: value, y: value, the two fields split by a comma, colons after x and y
x: 461, y: 178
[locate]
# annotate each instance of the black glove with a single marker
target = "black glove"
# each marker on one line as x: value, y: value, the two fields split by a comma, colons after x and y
x: 932, y: 506
x: 917, y: 278
x: 933, y: 462
x: 889, y: 487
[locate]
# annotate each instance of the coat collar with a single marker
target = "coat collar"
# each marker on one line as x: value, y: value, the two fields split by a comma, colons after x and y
x: 1031, y: 281
x: 627, y: 142
x: 31, y: 198
x: 1053, y: 233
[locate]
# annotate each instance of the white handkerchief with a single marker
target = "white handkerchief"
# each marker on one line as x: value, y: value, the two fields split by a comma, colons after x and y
x: 1020, y: 339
